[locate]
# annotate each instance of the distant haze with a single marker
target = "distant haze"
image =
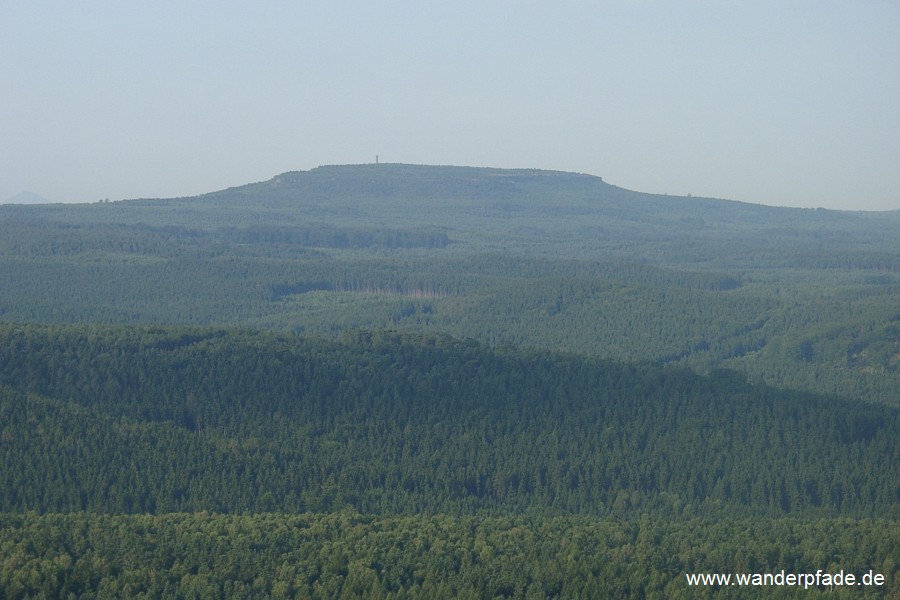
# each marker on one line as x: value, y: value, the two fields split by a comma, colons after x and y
x: 25, y: 198
x: 780, y: 103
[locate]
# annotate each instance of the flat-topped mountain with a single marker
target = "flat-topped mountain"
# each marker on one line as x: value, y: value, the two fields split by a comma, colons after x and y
x: 562, y: 213
x: 499, y: 192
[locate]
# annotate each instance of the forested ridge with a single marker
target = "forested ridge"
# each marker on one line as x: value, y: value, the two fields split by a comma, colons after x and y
x: 424, y: 382
x: 468, y: 461
x: 143, y: 420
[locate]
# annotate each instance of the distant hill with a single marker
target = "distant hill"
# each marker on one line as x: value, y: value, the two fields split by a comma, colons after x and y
x: 26, y: 198
x: 513, y: 205
x: 478, y: 191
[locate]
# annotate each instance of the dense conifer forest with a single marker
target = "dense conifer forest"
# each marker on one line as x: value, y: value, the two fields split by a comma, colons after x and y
x: 423, y: 382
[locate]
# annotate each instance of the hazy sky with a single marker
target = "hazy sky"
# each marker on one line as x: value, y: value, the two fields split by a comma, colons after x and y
x: 775, y: 102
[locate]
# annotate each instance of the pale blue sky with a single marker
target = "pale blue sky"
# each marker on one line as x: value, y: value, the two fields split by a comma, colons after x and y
x: 775, y: 102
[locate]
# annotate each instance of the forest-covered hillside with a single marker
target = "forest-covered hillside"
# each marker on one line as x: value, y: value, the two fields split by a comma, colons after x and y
x: 599, y: 478
x: 146, y: 420
x: 805, y: 299
x: 399, y: 381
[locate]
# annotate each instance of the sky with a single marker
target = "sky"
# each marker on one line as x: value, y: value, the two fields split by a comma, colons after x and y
x: 779, y: 102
